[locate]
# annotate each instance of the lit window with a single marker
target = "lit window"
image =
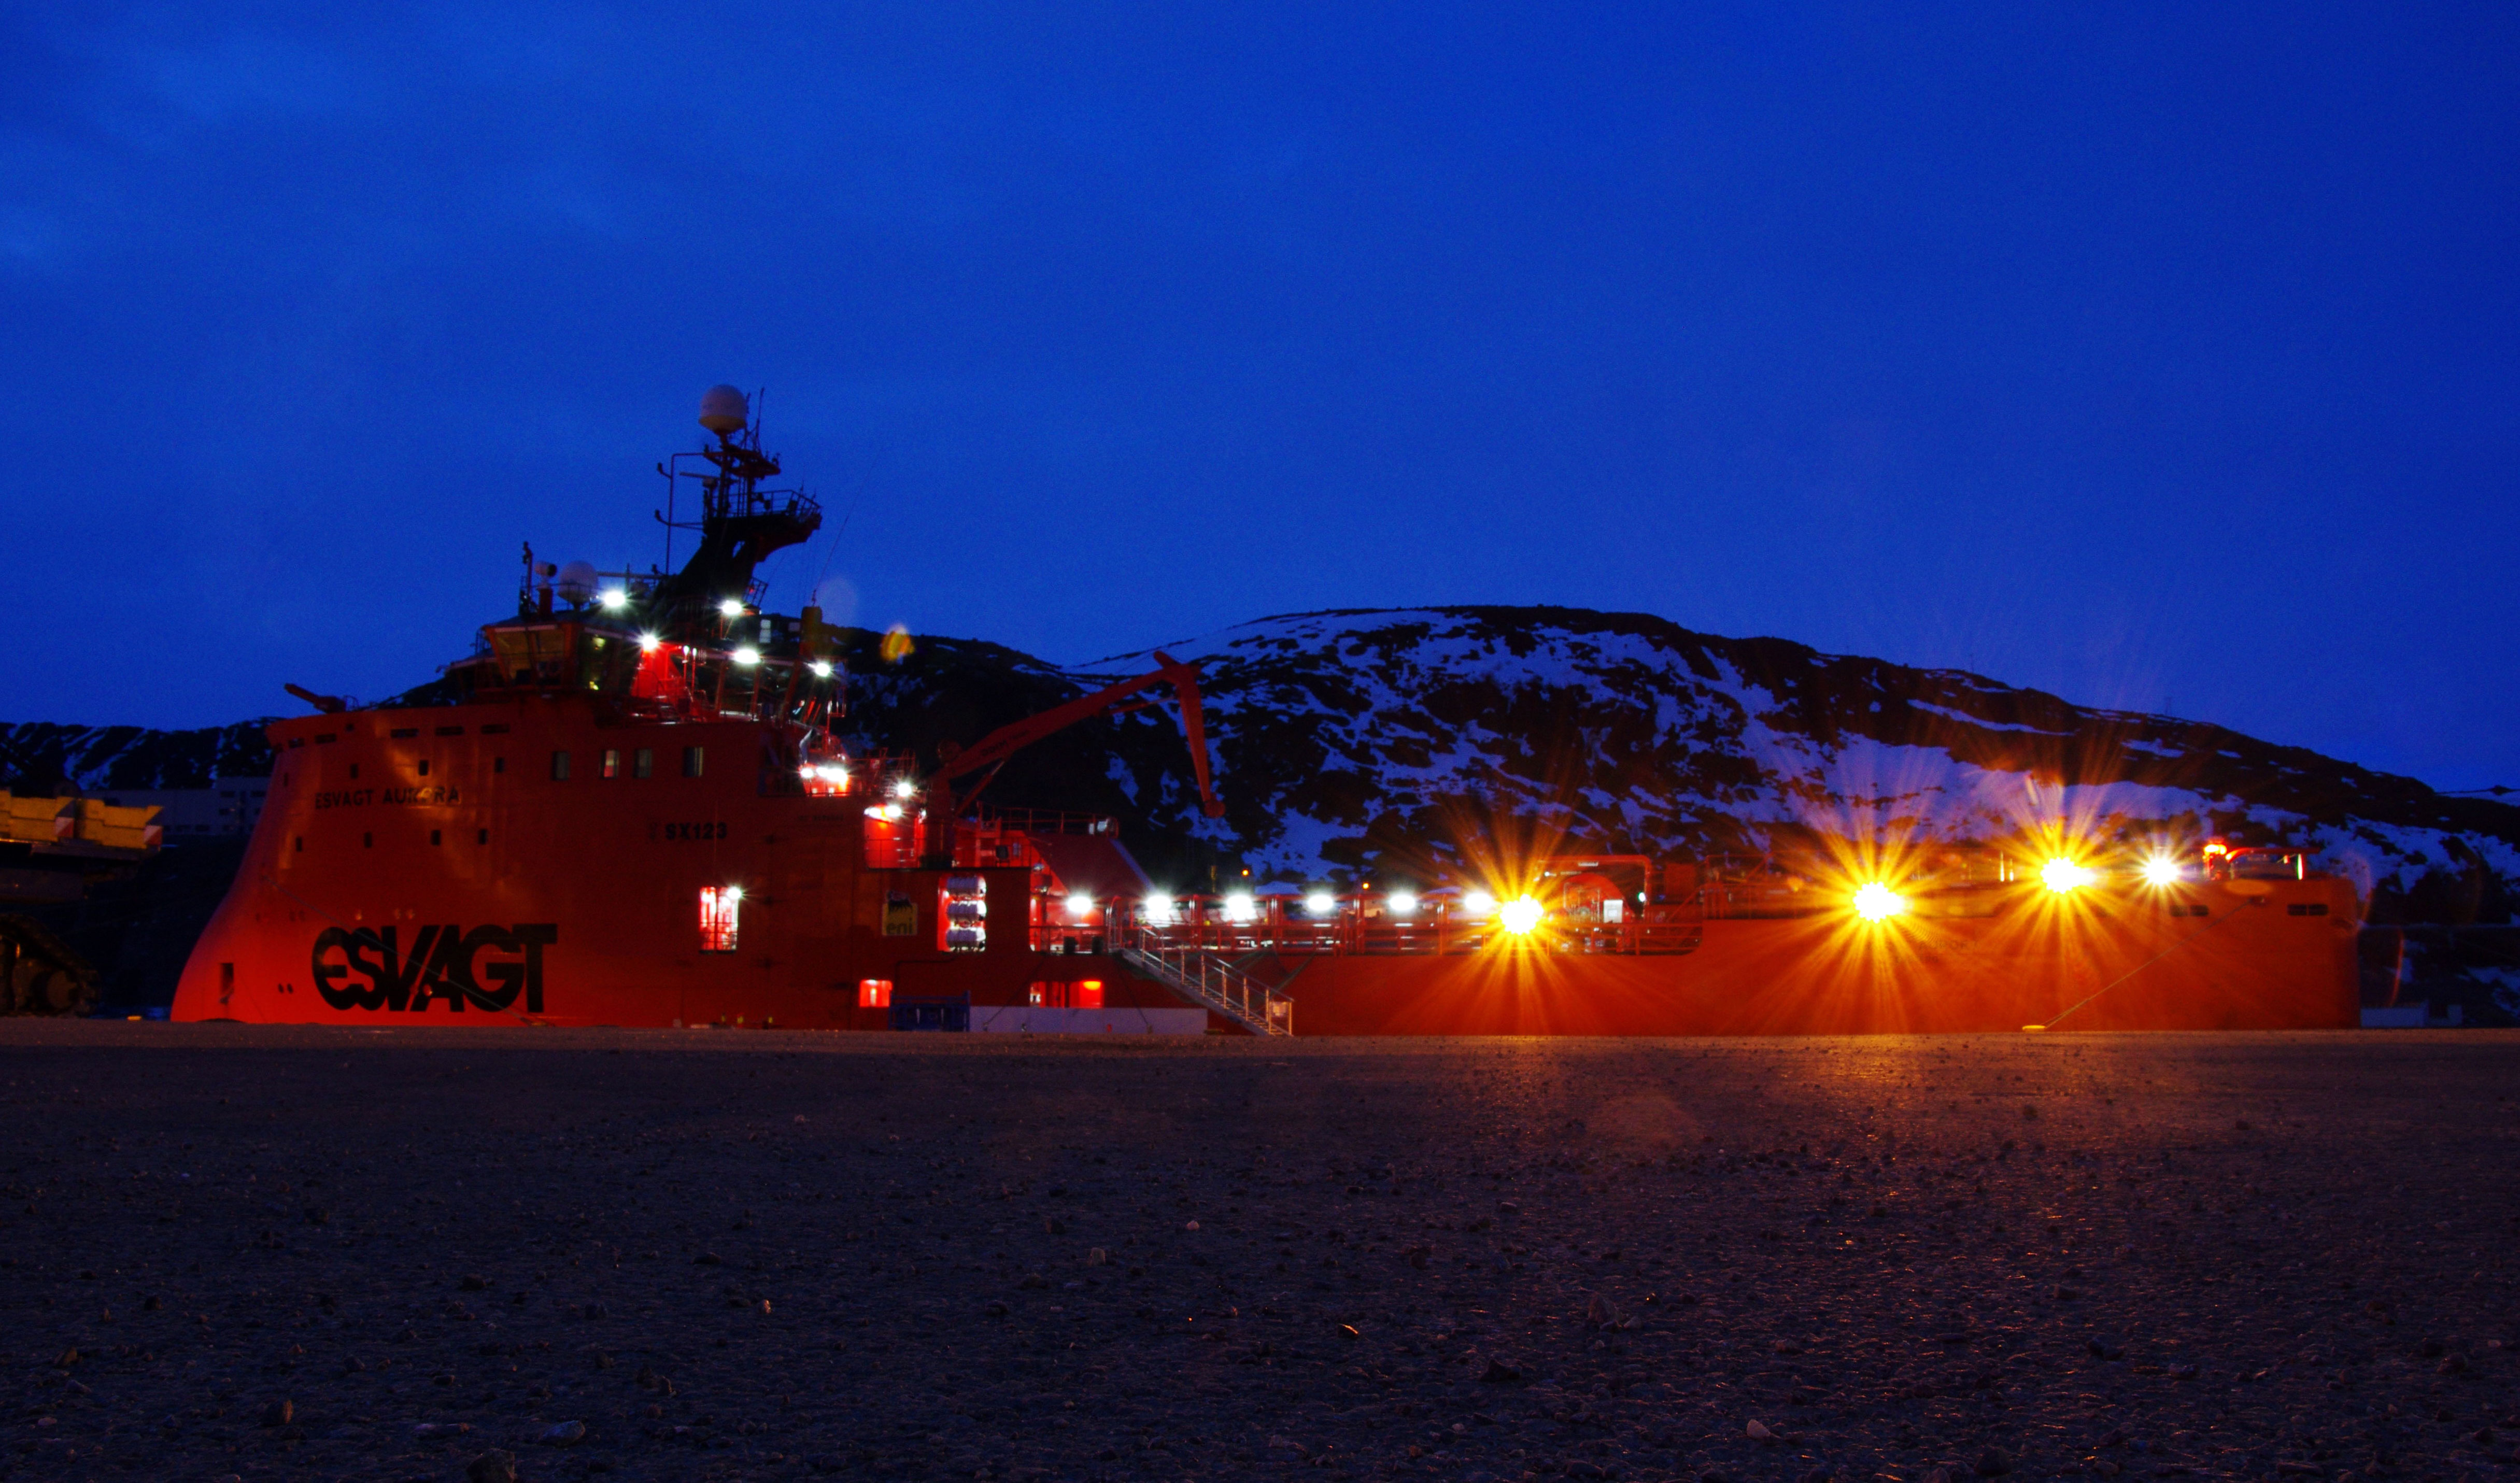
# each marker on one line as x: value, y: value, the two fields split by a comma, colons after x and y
x: 875, y: 993
x: 692, y: 759
x: 613, y: 762
x: 718, y: 907
x: 1089, y: 994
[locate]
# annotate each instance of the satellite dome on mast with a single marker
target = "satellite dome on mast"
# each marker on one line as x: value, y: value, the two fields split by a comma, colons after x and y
x: 575, y: 583
x: 724, y: 411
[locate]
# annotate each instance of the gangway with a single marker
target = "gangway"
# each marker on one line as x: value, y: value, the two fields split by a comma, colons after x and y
x: 1209, y: 980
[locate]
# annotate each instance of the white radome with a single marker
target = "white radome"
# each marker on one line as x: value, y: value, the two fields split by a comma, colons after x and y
x: 575, y: 583
x: 724, y: 410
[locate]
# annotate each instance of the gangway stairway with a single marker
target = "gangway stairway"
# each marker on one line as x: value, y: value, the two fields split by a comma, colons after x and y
x: 1206, y: 977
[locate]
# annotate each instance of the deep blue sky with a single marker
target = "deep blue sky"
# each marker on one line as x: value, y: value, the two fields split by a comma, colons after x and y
x: 2149, y: 355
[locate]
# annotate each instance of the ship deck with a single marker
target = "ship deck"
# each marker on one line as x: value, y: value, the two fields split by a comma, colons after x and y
x: 775, y: 1254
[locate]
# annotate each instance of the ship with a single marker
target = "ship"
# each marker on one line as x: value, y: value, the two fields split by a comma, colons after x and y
x: 633, y: 803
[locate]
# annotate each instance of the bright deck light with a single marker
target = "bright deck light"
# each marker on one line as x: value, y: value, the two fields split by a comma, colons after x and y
x: 747, y: 654
x: 1875, y: 902
x: 735, y: 893
x: 1320, y: 903
x: 1520, y: 915
x: 822, y: 670
x: 904, y: 788
x: 1158, y: 910
x: 647, y: 643
x: 730, y: 608
x: 2061, y: 874
x: 1080, y: 906
x: 1477, y: 903
x: 1403, y: 903
x: 1238, y: 907
x: 613, y: 598
x: 2161, y: 870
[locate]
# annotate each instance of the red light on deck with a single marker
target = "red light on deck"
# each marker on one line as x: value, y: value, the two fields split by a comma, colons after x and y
x: 875, y: 993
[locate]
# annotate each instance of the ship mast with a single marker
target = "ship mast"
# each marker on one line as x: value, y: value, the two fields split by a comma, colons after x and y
x: 741, y: 524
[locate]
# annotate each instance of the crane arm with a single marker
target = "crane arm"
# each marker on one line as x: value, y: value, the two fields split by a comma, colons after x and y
x: 1004, y: 742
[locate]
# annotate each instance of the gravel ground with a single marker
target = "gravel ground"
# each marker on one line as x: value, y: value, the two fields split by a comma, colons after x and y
x: 302, y: 1253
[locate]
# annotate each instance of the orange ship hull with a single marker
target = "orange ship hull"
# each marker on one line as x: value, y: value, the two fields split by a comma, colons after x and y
x: 439, y: 864
x: 2261, y: 959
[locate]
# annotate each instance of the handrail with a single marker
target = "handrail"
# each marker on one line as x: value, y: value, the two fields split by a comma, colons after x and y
x: 1215, y: 983
x: 1270, y: 925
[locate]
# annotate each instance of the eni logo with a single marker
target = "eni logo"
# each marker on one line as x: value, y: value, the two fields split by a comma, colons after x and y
x: 366, y: 968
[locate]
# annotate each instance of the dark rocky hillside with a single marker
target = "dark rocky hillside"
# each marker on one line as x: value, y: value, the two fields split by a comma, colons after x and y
x: 1353, y: 742
x: 1399, y: 743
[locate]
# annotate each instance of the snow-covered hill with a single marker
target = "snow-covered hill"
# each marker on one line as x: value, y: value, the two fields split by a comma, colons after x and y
x: 1347, y: 739
x: 1357, y: 741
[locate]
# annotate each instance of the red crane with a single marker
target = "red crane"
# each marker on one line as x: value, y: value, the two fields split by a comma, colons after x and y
x: 990, y: 753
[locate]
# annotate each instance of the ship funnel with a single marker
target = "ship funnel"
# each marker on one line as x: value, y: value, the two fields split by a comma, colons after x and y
x: 724, y: 411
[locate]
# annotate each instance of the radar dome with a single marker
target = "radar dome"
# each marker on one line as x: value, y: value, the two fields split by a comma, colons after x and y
x: 723, y: 410
x: 575, y: 583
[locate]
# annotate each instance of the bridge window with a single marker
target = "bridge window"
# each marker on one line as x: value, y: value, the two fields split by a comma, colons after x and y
x: 692, y: 759
x: 718, y: 907
x: 613, y: 762
x: 875, y: 993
